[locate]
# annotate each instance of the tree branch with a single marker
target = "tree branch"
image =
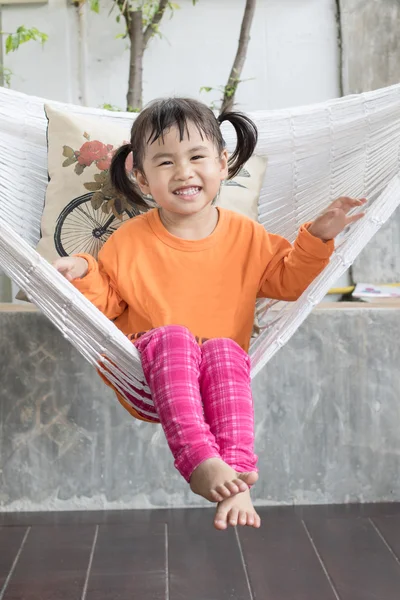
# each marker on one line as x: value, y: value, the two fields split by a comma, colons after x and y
x: 124, y: 10
x: 234, y: 77
x: 135, y: 83
x: 158, y: 15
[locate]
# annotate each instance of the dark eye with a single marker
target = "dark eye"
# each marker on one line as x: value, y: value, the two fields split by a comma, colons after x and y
x: 166, y: 162
x: 197, y: 157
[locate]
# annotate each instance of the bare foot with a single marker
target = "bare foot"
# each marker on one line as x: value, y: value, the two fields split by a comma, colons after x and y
x: 215, y: 480
x: 238, y: 510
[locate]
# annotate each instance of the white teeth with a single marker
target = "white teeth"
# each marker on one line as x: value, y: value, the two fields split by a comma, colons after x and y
x: 188, y: 191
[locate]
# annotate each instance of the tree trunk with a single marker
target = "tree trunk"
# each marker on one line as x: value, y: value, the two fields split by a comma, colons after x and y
x: 234, y: 77
x: 134, y: 98
x: 340, y: 44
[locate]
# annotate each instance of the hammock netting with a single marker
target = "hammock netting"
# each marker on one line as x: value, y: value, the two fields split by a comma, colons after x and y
x: 349, y: 146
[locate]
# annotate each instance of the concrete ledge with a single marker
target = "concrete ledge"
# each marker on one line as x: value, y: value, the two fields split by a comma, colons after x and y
x: 327, y: 420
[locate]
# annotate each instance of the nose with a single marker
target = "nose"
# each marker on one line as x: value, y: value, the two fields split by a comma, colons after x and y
x: 183, y: 171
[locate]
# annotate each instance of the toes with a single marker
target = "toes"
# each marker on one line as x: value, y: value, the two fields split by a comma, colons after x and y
x: 215, y: 496
x: 257, y: 521
x: 233, y: 517
x: 223, y: 491
x: 240, y: 485
x: 220, y: 520
x: 242, y: 519
x: 233, y: 487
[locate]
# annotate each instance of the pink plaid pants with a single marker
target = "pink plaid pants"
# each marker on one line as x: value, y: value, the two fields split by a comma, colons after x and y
x: 201, y: 396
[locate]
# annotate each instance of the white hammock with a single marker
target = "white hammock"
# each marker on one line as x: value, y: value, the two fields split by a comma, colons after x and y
x: 349, y: 146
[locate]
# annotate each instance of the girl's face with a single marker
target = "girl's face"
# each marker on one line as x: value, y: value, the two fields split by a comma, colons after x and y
x: 183, y: 177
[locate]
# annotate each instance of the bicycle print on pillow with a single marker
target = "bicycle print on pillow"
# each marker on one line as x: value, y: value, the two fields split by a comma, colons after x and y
x: 87, y: 221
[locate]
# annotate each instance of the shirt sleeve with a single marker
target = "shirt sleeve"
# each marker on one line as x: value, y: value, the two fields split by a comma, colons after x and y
x: 99, y: 284
x: 289, y: 270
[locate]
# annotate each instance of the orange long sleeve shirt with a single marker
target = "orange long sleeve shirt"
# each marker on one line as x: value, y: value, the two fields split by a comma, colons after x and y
x: 146, y: 278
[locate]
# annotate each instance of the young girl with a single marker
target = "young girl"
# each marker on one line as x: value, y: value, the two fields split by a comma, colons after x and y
x: 181, y: 280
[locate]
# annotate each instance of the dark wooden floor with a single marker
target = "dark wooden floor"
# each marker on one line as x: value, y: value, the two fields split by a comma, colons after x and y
x: 308, y: 553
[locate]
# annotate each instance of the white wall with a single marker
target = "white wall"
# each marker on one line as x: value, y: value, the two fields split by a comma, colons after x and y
x: 292, y: 58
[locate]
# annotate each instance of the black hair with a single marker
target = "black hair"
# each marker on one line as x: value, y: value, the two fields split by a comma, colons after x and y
x: 158, y: 117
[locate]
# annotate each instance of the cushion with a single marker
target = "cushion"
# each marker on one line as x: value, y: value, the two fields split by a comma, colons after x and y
x: 79, y: 199
x: 241, y: 193
x: 81, y: 208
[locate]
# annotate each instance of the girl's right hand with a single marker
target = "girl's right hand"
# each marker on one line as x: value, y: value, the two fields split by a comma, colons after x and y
x: 72, y: 267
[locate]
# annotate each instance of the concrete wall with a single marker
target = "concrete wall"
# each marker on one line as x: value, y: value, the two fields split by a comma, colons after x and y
x: 371, y: 44
x: 327, y: 421
x: 371, y: 60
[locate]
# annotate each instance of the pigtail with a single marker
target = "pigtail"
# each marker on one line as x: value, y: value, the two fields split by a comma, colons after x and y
x: 120, y: 179
x: 247, y: 136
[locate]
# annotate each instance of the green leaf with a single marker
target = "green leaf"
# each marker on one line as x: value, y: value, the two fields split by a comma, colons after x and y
x: 232, y: 182
x: 95, y: 6
x: 10, y: 44
x: 97, y: 200
x: 6, y: 74
x: 92, y: 186
x: 206, y: 88
x: 22, y: 35
x: 79, y: 169
x: 118, y: 208
x: 111, y: 107
x: 69, y: 161
x: 101, y: 177
x: 68, y: 152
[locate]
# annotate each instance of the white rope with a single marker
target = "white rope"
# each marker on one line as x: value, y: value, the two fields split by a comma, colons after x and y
x: 349, y: 146
x: 349, y: 246
x: 315, y: 153
x: 79, y: 321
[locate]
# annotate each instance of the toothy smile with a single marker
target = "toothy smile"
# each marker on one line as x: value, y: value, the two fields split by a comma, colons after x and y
x: 190, y: 191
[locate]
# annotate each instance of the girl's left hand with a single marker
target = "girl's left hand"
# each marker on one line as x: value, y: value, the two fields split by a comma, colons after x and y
x: 328, y: 225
